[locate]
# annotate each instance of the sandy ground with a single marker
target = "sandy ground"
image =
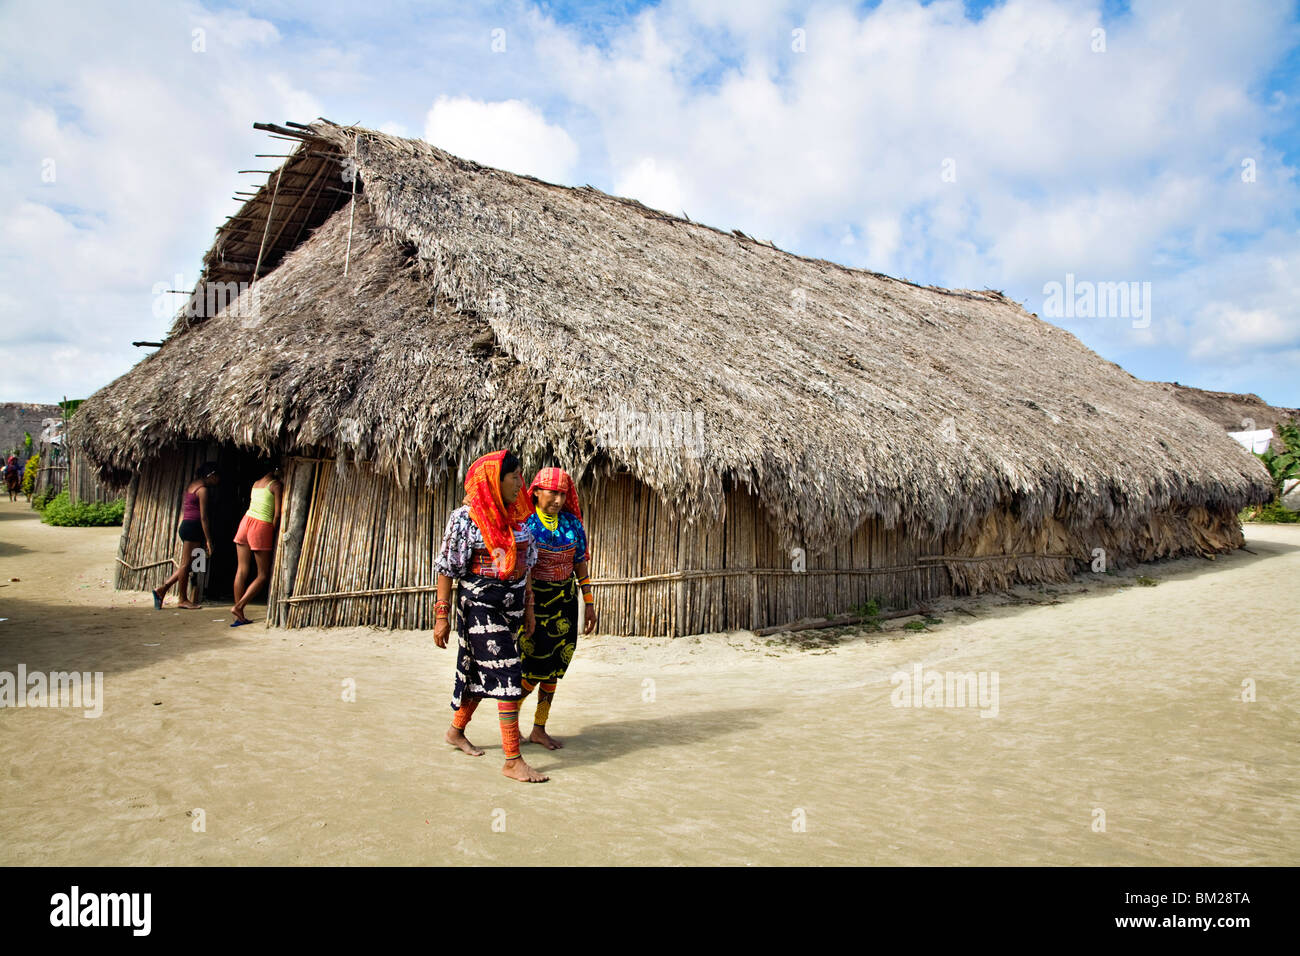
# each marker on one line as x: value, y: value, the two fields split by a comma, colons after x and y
x: 722, y: 749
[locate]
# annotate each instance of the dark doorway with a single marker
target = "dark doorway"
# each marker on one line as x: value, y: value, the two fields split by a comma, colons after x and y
x: 239, y: 469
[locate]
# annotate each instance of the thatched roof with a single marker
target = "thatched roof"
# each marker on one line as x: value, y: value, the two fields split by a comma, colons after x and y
x: 1234, y: 411
x: 482, y: 309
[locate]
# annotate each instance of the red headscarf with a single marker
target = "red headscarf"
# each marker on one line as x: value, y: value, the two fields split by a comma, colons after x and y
x: 489, y: 513
x: 557, y: 479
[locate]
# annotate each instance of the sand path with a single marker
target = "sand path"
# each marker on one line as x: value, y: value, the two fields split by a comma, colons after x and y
x: 1111, y: 697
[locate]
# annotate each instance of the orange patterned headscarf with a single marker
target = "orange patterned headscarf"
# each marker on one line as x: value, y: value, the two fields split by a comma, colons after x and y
x: 557, y: 479
x: 495, y: 522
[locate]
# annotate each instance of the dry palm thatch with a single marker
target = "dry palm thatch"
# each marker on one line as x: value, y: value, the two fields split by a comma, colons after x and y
x: 453, y: 308
x: 1233, y: 411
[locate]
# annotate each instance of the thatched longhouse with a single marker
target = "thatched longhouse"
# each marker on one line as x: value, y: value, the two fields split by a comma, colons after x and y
x: 758, y: 436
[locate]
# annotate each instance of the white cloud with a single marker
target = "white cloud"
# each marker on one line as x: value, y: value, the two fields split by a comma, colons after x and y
x: 1123, y: 165
x: 146, y: 136
x: 883, y: 236
x: 293, y: 101
x: 653, y: 185
x: 1249, y: 305
x: 231, y: 29
x: 509, y: 135
x: 1226, y: 329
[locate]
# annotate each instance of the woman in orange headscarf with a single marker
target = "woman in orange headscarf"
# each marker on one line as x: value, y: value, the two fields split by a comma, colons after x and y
x: 489, y: 552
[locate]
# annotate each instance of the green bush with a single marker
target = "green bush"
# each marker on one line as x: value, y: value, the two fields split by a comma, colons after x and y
x: 1286, y: 463
x: 1282, y: 466
x: 29, y: 474
x: 870, y: 609
x: 62, y: 512
x: 1272, y: 513
x: 39, y: 501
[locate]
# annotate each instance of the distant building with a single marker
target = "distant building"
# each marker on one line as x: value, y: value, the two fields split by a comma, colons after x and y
x: 18, y: 419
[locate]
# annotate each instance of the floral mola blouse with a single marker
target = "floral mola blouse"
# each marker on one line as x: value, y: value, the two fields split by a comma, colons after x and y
x: 463, y: 538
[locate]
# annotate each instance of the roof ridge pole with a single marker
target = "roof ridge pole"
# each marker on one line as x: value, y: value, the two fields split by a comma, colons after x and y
x: 352, y: 206
x: 271, y: 212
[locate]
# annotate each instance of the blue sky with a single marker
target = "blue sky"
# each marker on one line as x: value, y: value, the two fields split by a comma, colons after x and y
x: 979, y: 145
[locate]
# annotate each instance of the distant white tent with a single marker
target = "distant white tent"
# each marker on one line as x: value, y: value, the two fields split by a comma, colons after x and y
x: 52, y: 431
x: 1256, y: 441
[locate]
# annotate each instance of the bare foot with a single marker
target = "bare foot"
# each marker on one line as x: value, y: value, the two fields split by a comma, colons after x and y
x: 458, y: 739
x: 188, y: 605
x: 540, y: 736
x: 239, y: 616
x: 518, y: 770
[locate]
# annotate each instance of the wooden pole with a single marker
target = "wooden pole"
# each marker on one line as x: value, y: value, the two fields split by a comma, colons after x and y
x: 679, y: 628
x: 352, y: 209
x: 128, y: 521
x: 302, y: 477
x: 269, y: 214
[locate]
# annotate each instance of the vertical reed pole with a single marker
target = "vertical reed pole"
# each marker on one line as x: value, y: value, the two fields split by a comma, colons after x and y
x: 352, y: 210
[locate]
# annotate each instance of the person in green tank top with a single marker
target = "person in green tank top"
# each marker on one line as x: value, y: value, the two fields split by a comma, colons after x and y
x: 255, y: 542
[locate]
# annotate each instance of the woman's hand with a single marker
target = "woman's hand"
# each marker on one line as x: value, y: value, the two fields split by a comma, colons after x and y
x: 530, y: 621
x: 208, y: 545
x: 441, y: 628
x: 590, y: 627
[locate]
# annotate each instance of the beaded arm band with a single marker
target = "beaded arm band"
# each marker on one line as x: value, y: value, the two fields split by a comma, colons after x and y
x: 585, y: 584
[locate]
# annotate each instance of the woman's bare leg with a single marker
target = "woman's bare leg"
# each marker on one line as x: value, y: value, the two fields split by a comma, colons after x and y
x: 246, y: 564
x: 162, y: 589
x: 183, y: 585
x: 545, y: 695
x: 459, y: 721
x: 263, y: 559
x: 515, y: 767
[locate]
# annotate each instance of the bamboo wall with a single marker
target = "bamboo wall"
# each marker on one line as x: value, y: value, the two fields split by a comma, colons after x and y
x: 83, y: 485
x: 367, y: 553
x: 368, y: 549
x: 733, y: 573
x: 52, y: 473
x: 50, y: 478
x: 148, y: 548
x: 358, y: 549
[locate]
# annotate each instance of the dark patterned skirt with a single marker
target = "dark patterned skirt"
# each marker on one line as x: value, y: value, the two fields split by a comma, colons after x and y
x: 547, y: 653
x: 489, y: 621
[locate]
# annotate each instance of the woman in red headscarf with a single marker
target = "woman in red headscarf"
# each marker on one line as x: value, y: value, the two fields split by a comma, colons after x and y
x: 561, y: 569
x: 489, y: 552
x: 13, y: 477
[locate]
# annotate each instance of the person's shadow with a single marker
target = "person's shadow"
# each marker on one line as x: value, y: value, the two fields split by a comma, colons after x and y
x: 597, y: 742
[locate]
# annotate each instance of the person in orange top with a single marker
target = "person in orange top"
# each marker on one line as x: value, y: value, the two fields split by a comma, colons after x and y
x: 255, y: 541
x: 487, y: 550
